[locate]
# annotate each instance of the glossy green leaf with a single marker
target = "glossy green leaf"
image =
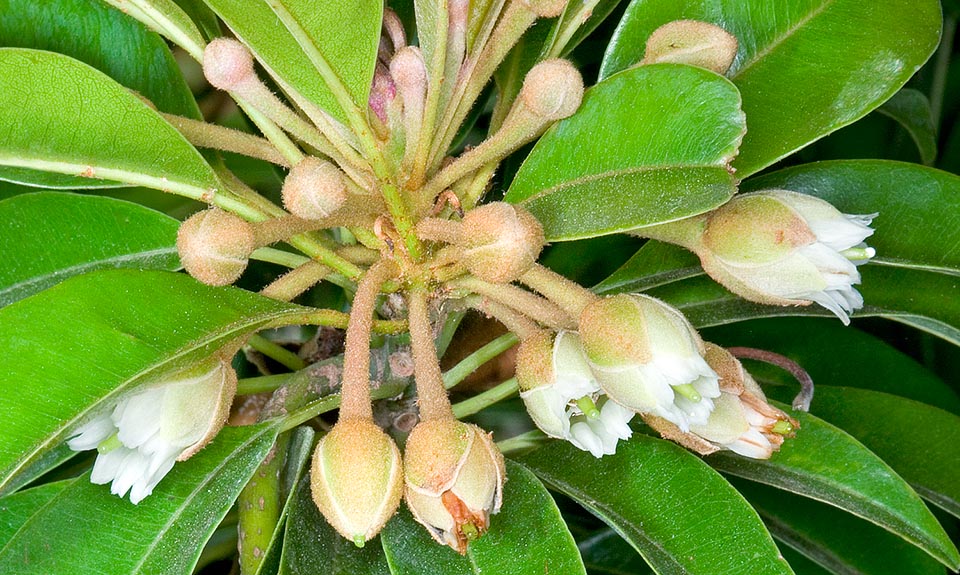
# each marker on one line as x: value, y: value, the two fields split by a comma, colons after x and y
x: 49, y: 237
x: 164, y: 533
x: 527, y: 536
x: 802, y: 68
x: 911, y: 109
x: 202, y: 16
x: 606, y: 553
x: 166, y: 18
x: 853, y: 358
x: 106, y: 39
x: 60, y: 115
x: 16, y: 509
x: 108, y: 332
x: 835, y: 540
x: 311, y: 544
x: 920, y: 441
x: 653, y: 265
x: 682, y: 516
x: 650, y: 145
x: 824, y: 463
x: 344, y: 34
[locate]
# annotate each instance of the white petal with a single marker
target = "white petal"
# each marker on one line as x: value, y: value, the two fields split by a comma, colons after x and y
x: 139, y: 416
x: 107, y: 466
x: 615, y: 418
x: 582, y: 436
x: 752, y: 444
x: 92, y: 433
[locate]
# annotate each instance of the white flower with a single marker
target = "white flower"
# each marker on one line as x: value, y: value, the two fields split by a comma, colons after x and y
x: 784, y: 248
x: 570, y: 405
x: 649, y: 359
x: 141, y: 438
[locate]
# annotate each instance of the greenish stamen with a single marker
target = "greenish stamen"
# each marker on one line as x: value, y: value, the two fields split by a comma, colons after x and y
x: 359, y: 541
x: 470, y: 531
x: 857, y: 254
x: 109, y: 444
x: 782, y: 427
x: 687, y: 390
x: 588, y: 407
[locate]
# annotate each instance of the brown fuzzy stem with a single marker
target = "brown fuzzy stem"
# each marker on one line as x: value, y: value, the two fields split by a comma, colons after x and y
x: 803, y: 399
x: 295, y: 282
x: 207, y: 135
x: 569, y: 295
x: 434, y: 403
x: 513, y: 320
x: 355, y: 394
x: 527, y: 303
x: 439, y: 230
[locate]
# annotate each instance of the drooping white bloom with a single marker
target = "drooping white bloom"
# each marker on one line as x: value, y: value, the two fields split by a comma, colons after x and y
x: 648, y: 358
x: 784, y: 248
x: 558, y: 397
x: 141, y: 438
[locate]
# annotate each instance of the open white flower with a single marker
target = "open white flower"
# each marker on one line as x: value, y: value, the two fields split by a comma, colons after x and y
x: 784, y: 248
x: 141, y: 438
x: 563, y: 396
x: 648, y: 358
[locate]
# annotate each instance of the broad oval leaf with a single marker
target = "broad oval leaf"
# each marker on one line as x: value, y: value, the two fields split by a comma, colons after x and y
x: 824, y: 463
x: 606, y: 553
x: 106, y: 39
x: 911, y: 109
x: 682, y: 516
x: 650, y: 145
x: 833, y: 539
x: 920, y: 441
x: 529, y: 525
x: 78, y: 346
x: 803, y: 69
x: 60, y: 115
x: 344, y: 34
x: 164, y: 533
x: 16, y: 509
x: 49, y: 237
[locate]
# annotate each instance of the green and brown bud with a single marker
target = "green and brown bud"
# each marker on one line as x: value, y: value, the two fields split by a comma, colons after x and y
x: 454, y: 480
x: 356, y: 479
x: 552, y: 90
x: 694, y: 43
x: 500, y: 241
x: 314, y: 189
x: 215, y: 246
x: 227, y: 64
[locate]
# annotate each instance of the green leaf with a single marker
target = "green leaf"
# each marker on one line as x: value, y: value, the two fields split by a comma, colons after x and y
x: 164, y: 533
x: 60, y: 115
x: 109, y: 41
x: 682, y: 516
x: 49, y: 237
x: 824, y: 463
x: 835, y: 540
x: 344, y: 34
x: 606, y: 553
x: 16, y: 509
x: 527, y: 536
x: 854, y: 358
x: 802, y: 69
x: 911, y: 109
x: 650, y: 145
x: 653, y: 265
x: 310, y: 542
x: 920, y: 441
x: 202, y: 16
x: 108, y: 331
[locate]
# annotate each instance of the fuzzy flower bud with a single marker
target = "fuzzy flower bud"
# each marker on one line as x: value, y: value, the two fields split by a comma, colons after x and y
x: 454, y: 480
x: 563, y: 397
x: 500, y: 241
x: 356, y: 479
x: 314, y: 189
x: 692, y: 42
x: 648, y: 358
x: 227, y: 64
x: 215, y: 246
x: 783, y: 248
x: 742, y: 420
x: 552, y: 90
x: 145, y: 433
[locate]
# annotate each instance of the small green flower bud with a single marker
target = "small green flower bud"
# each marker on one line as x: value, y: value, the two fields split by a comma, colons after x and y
x: 454, y: 480
x: 647, y: 357
x: 356, y: 479
x: 552, y: 90
x: 314, y: 189
x: 500, y: 241
x: 215, y: 246
x: 227, y: 64
x: 692, y: 42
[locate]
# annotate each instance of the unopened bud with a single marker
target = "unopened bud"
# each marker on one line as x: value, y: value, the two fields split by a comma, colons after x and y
x: 553, y: 89
x: 454, y: 480
x: 500, y: 241
x: 692, y: 42
x: 227, y: 64
x: 356, y: 479
x: 314, y: 189
x: 546, y: 8
x: 215, y: 246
